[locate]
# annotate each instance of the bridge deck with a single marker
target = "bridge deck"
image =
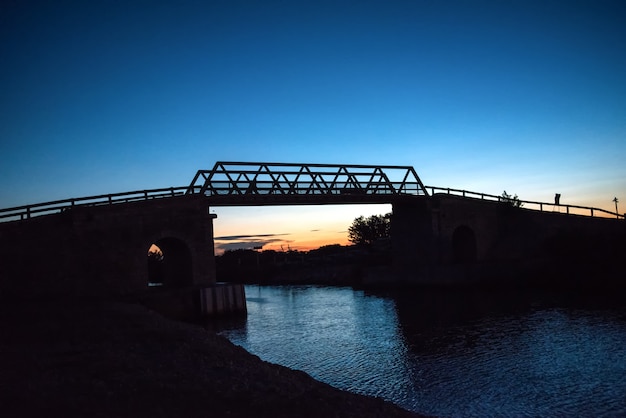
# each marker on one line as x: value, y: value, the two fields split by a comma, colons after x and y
x: 257, y: 184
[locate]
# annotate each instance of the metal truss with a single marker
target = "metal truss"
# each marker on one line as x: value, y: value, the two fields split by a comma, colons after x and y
x: 305, y: 181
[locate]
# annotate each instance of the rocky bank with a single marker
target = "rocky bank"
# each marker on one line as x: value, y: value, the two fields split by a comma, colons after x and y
x: 123, y: 360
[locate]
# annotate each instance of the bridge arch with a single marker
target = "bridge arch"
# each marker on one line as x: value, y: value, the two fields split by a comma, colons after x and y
x: 169, y: 263
x: 463, y: 245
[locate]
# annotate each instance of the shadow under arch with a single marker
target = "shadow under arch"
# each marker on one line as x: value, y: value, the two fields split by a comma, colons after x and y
x: 169, y: 263
x: 463, y: 245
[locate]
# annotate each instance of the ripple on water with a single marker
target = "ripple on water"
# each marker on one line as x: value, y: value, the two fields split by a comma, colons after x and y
x: 531, y: 362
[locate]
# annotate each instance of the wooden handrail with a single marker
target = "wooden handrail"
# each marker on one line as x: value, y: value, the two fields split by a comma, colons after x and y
x: 485, y: 196
x: 27, y: 211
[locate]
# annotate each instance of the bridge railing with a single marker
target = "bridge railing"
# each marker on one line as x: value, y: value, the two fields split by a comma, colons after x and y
x: 239, y: 178
x: 530, y: 204
x: 278, y: 187
x: 56, y: 206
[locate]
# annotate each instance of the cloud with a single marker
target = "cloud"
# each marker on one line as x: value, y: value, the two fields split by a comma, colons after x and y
x: 315, y: 230
x: 246, y: 237
x: 246, y: 242
x: 242, y: 245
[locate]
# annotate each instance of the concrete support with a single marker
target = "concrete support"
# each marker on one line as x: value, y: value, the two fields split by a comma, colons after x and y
x: 222, y: 299
x: 218, y: 299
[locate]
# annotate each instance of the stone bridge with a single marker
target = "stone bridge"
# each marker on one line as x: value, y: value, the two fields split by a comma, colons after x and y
x: 98, y: 246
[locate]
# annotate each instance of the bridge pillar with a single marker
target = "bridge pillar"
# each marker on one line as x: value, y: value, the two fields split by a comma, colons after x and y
x: 412, y: 238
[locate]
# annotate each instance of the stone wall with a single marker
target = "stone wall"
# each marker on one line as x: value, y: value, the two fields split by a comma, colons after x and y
x: 469, y: 240
x: 102, y: 251
x: 503, y: 232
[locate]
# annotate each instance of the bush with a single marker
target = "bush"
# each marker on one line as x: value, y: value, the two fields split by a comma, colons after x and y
x: 511, y: 200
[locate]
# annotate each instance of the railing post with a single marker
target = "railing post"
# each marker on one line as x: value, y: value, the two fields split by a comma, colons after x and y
x: 567, y: 207
x: 172, y: 190
x: 540, y: 207
x: 592, y: 212
x: 145, y: 195
x: 110, y: 199
x: 28, y: 212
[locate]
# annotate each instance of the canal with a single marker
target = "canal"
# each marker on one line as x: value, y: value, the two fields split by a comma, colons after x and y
x: 447, y: 353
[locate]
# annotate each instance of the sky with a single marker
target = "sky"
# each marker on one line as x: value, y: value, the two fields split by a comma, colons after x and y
x: 111, y: 96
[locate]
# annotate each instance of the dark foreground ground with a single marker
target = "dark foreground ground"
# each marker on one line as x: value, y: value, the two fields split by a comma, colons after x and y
x: 122, y: 360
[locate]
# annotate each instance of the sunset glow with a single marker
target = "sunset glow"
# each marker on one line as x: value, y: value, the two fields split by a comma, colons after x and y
x: 299, y: 228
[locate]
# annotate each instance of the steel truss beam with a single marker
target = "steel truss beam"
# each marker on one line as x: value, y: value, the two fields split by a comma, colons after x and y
x: 292, y: 181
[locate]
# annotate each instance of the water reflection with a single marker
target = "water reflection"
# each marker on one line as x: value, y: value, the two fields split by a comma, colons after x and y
x: 445, y: 354
x: 437, y: 319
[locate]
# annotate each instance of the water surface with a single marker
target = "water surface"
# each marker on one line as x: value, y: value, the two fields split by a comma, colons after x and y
x: 448, y: 354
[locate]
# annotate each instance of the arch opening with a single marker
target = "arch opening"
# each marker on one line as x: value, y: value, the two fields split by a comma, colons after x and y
x: 169, y: 264
x: 463, y: 245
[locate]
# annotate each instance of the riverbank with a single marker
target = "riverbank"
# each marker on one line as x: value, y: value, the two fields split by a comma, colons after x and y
x: 123, y: 360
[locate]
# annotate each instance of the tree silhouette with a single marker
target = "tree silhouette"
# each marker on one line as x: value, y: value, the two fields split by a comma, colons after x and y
x: 368, y: 230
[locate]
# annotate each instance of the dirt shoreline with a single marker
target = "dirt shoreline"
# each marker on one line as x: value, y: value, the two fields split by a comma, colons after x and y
x: 123, y: 360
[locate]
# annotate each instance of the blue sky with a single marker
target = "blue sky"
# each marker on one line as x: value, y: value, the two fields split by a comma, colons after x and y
x: 111, y: 96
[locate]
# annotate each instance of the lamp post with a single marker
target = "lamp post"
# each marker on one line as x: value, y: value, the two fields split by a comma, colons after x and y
x: 615, y: 200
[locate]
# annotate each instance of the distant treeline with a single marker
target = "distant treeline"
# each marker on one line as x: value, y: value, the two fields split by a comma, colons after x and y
x: 334, y: 263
